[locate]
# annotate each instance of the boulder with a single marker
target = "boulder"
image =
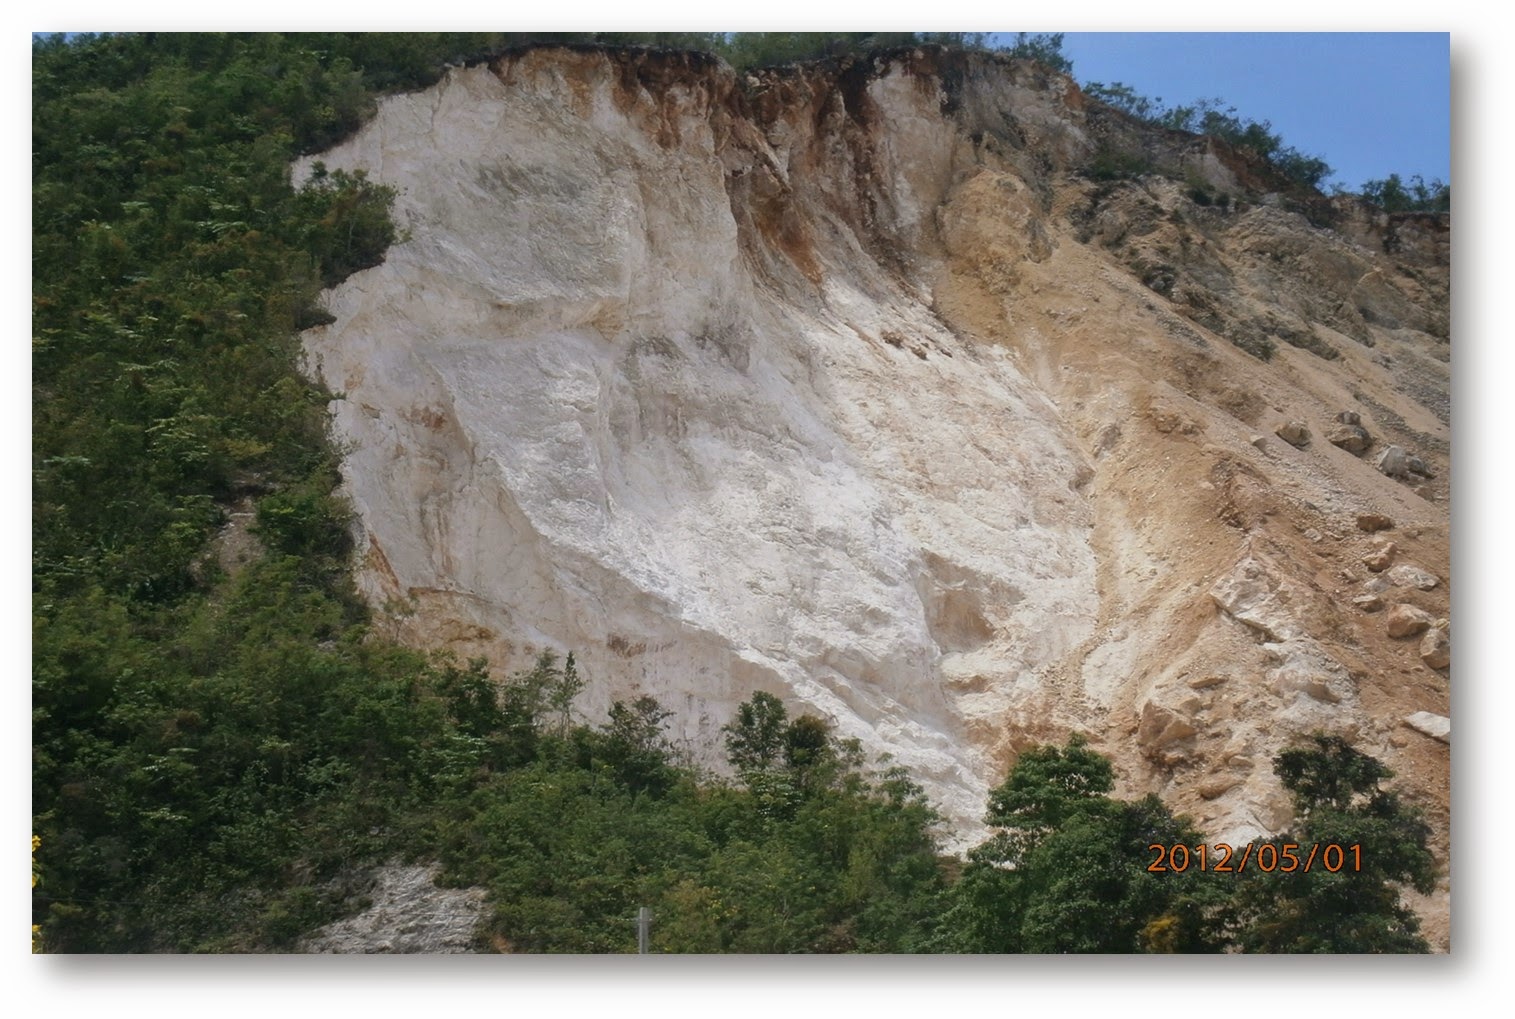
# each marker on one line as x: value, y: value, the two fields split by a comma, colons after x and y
x: 1294, y: 433
x: 1158, y: 732
x: 1434, y: 726
x: 1418, y: 466
x: 1352, y: 438
x: 1372, y: 522
x: 1393, y: 462
x: 1305, y: 670
x: 1407, y: 621
x: 1406, y: 575
x: 1436, y: 648
x: 1160, y: 726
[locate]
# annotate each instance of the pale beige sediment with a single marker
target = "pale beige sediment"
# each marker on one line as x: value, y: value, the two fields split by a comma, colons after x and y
x: 852, y: 391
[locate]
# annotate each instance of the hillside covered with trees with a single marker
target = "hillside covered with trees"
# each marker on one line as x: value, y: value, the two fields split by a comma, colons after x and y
x: 220, y: 747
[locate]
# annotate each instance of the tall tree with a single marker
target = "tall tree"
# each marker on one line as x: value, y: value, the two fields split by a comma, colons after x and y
x: 1381, y: 844
x: 1068, y: 868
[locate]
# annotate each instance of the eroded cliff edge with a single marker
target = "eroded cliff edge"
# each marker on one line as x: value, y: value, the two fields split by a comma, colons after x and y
x: 849, y: 383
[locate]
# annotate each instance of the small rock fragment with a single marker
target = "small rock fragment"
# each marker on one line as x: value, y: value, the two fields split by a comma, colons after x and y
x: 1372, y: 522
x: 1349, y: 417
x: 1436, y: 648
x: 1418, y: 466
x: 1434, y: 726
x: 1381, y: 557
x: 1407, y: 621
x: 1406, y: 575
x: 1165, y: 420
x: 1369, y: 602
x: 1211, y: 788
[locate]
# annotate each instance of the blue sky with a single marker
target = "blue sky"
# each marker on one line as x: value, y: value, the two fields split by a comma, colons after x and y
x: 1370, y: 104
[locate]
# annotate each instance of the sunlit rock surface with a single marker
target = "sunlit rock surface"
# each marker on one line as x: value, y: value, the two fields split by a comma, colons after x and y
x: 846, y: 384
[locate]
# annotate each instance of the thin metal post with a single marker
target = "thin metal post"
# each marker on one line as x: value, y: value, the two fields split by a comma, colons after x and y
x: 644, y: 921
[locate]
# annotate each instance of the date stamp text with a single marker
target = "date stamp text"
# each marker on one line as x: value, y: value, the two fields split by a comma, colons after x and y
x: 1267, y: 857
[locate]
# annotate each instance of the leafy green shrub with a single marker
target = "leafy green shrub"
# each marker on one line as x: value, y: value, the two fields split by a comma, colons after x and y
x: 1124, y: 98
x: 1044, y: 47
x: 350, y: 225
x: 1214, y: 118
x: 1119, y: 164
x: 306, y: 520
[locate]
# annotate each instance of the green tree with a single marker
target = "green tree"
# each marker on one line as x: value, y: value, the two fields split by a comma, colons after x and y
x: 1047, y: 786
x: 472, y: 698
x: 1067, y: 869
x: 807, y: 746
x: 1338, y: 801
x: 1044, y: 47
x: 635, y: 747
x: 755, y: 737
x: 563, y: 691
x: 1394, y: 194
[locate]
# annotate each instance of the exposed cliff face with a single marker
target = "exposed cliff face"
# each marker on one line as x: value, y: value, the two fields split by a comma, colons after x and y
x: 843, y: 383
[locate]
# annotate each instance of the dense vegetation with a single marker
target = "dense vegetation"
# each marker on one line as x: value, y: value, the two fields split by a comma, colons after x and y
x: 190, y: 728
x: 212, y: 744
x: 220, y: 747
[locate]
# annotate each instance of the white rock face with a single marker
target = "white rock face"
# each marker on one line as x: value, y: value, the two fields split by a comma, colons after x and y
x: 582, y: 418
x: 1251, y: 595
x: 850, y: 385
x: 410, y: 915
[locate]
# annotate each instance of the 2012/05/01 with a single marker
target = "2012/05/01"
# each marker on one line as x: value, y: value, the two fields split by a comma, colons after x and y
x: 1266, y: 857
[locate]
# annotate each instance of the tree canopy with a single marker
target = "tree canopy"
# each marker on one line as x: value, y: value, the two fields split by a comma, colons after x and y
x: 1071, y: 869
